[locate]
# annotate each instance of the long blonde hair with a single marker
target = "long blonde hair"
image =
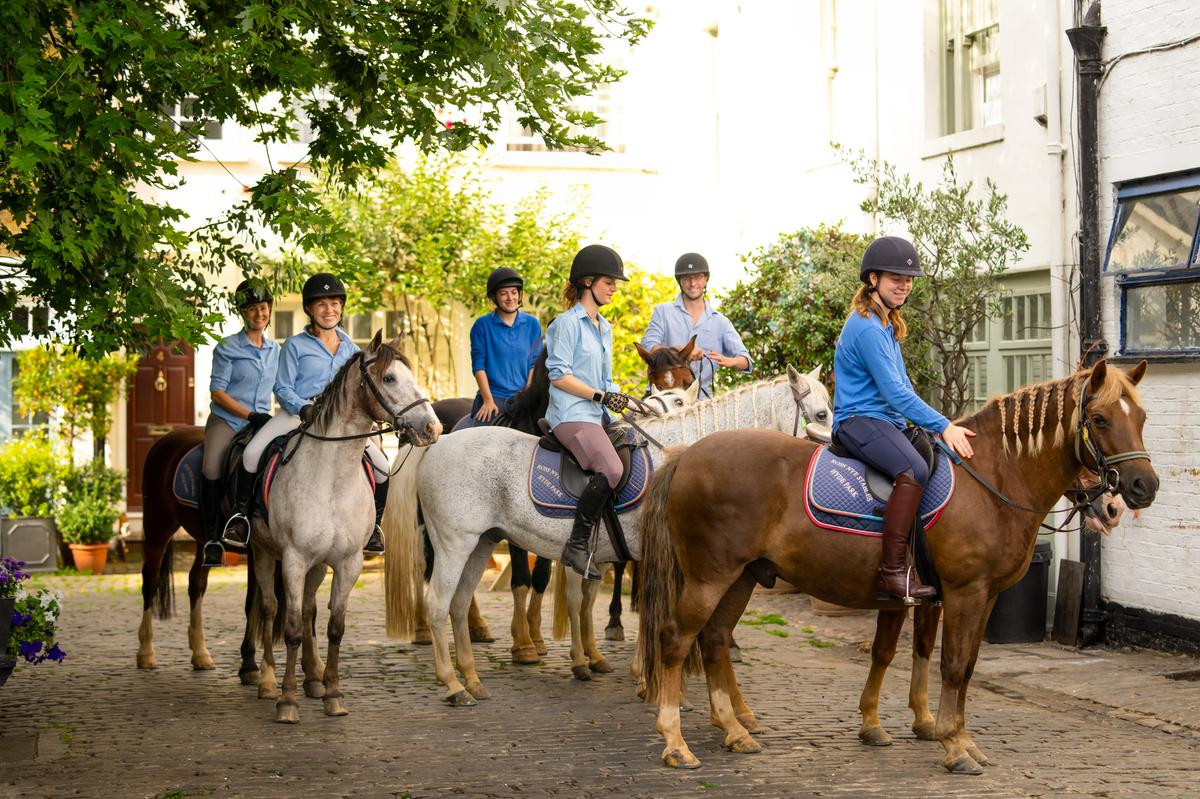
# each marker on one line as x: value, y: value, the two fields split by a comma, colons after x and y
x: 864, y: 306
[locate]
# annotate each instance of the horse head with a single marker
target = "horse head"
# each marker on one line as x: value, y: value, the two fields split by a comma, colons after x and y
x: 665, y: 401
x: 393, y: 394
x: 1108, y: 430
x: 814, y: 410
x: 667, y: 367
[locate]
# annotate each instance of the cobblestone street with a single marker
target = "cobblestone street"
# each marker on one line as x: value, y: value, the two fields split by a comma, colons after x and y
x: 1055, y: 721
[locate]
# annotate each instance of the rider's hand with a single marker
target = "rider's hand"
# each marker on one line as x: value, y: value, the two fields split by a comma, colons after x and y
x: 697, y: 354
x: 615, y: 401
x: 487, y: 411
x: 306, y: 412
x: 720, y: 359
x: 258, y: 419
x: 959, y: 439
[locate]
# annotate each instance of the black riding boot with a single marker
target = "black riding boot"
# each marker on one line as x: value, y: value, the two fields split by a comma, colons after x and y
x: 587, y: 515
x: 210, y: 506
x: 374, y: 544
x: 237, y: 529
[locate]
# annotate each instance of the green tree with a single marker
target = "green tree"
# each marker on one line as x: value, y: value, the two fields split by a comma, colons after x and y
x: 629, y: 313
x: 84, y: 132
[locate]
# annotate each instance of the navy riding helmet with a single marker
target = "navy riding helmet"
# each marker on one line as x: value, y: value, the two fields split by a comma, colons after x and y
x: 890, y: 254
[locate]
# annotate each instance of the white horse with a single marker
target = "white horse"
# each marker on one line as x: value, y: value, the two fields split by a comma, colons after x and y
x: 473, y: 491
x: 322, y: 514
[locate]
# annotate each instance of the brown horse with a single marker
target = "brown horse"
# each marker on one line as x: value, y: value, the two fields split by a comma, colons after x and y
x: 669, y: 367
x: 734, y: 500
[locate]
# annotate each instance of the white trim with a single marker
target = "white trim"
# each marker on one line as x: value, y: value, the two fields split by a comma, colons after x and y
x: 965, y: 140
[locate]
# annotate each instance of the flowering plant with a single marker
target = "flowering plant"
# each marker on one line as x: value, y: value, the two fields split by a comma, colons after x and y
x: 34, y: 616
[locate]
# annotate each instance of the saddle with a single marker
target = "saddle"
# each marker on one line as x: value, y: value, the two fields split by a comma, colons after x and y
x: 574, y: 477
x: 879, y: 484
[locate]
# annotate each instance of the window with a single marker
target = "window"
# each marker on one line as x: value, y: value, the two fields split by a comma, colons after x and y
x: 970, y: 64
x: 184, y: 115
x: 32, y: 321
x: 1152, y: 249
x: 1026, y: 317
x: 605, y: 104
x: 285, y: 324
x: 977, y: 381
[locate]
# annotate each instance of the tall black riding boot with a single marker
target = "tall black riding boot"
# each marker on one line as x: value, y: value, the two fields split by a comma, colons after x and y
x: 587, y: 515
x: 210, y: 506
x: 237, y: 529
x: 896, y: 579
x: 374, y: 544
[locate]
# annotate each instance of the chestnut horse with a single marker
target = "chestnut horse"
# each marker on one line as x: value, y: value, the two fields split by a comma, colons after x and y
x: 735, y: 499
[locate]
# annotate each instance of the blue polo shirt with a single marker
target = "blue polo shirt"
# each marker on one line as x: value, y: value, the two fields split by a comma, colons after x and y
x: 870, y: 378
x: 306, y: 367
x: 244, y: 372
x: 505, y: 353
x: 575, y: 347
x: 671, y: 326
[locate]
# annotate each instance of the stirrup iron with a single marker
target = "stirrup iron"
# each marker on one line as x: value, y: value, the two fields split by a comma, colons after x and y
x: 226, y: 539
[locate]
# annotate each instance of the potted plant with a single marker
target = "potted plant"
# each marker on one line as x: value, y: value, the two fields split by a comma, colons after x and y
x: 27, y: 620
x: 30, y: 474
x: 86, y: 523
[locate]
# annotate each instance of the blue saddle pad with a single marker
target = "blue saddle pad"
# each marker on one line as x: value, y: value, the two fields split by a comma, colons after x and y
x: 546, y: 491
x: 836, y: 496
x: 186, y: 484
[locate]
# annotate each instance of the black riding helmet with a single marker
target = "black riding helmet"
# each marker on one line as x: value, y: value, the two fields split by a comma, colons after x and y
x: 890, y: 254
x: 691, y: 263
x: 322, y: 285
x: 251, y: 291
x: 596, y: 260
x: 504, y: 277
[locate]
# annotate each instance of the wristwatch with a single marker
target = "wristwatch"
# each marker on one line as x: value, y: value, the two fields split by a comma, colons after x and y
x: 597, y: 396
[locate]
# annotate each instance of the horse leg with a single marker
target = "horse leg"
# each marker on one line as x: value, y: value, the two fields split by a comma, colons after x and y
x: 541, y: 580
x: 614, y: 631
x: 422, y: 635
x: 960, y: 711
x: 523, y: 651
x: 310, y: 660
x: 464, y: 653
x: 264, y: 575
x: 153, y: 576
x: 287, y: 709
x: 477, y: 625
x: 596, y: 661
x: 443, y: 581
x: 197, y: 585
x: 887, y: 631
x: 925, y: 628
x: 248, y: 672
x: 345, y: 574
x: 966, y: 615
x: 724, y: 696
x: 574, y: 601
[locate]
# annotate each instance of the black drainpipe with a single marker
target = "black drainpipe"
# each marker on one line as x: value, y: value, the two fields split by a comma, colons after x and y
x: 1087, y: 41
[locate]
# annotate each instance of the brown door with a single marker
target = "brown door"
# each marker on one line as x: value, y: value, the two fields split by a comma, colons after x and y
x: 162, y: 399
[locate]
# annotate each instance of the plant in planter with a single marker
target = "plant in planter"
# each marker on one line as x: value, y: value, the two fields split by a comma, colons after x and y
x: 27, y: 620
x: 86, y: 523
x: 30, y: 473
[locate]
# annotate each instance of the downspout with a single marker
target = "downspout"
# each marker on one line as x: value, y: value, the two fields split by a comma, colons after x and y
x: 1087, y: 41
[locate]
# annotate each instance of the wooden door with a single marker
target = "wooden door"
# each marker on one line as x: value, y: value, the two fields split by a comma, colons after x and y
x: 161, y: 399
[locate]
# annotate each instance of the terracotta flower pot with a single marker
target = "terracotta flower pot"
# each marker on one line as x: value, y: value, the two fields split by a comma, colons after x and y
x: 90, y: 558
x: 232, y: 558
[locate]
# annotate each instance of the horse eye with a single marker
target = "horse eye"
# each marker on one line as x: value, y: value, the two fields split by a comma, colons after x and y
x: 389, y: 378
x: 1099, y: 420
x: 822, y: 415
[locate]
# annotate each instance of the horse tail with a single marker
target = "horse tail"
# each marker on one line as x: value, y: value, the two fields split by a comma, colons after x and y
x: 164, y: 597
x: 661, y: 581
x: 159, y: 523
x: 404, y: 565
x: 562, y: 621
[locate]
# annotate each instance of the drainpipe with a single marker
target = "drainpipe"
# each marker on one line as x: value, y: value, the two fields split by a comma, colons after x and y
x: 1087, y: 41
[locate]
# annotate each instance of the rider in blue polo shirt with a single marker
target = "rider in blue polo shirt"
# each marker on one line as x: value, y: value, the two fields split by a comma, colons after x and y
x: 672, y: 324
x: 505, y: 344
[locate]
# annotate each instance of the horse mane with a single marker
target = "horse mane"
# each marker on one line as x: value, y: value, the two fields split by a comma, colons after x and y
x: 1031, y: 411
x: 734, y: 395
x: 329, y: 403
x: 530, y: 403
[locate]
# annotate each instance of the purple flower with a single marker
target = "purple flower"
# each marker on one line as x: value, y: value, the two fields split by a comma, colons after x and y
x: 55, y: 654
x: 30, y: 650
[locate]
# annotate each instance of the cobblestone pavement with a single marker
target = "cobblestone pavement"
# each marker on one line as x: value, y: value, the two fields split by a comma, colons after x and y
x: 1056, y: 721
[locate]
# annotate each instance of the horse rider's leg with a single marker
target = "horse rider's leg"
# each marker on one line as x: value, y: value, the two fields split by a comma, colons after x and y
x: 614, y: 631
x: 248, y: 672
x: 459, y: 606
x: 345, y: 574
x: 574, y: 601
x: 691, y: 613
x: 152, y: 569
x: 925, y: 630
x: 523, y: 651
x: 447, y: 569
x: 218, y: 435
x: 310, y: 660
x: 724, y: 696
x: 197, y: 585
x: 287, y: 708
x: 541, y: 580
x: 887, y: 632
x: 477, y: 625
x: 382, y: 470
x: 596, y: 661
x: 264, y: 574
x: 966, y: 613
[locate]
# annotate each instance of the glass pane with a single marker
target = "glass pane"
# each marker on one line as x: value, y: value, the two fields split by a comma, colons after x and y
x: 360, y: 327
x: 41, y: 321
x: 1162, y: 317
x: 1155, y: 230
x: 284, y: 324
x: 397, y: 324
x: 21, y: 319
x: 1006, y: 309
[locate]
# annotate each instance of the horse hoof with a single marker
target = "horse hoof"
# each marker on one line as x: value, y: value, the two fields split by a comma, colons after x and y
x: 540, y: 646
x: 735, y: 654
x: 146, y: 661
x: 978, y: 756
x: 748, y: 721
x: 601, y: 667
x: 582, y: 673
x: 481, y: 635
x: 924, y: 730
x: 203, y: 663
x: 287, y: 713
x: 478, y: 691
x: 460, y: 699
x: 335, y: 707
x: 526, y: 656
x: 744, y: 746
x: 249, y: 677
x: 875, y: 736
x: 314, y: 689
x: 614, y: 633
x: 681, y: 758
x: 964, y: 764
x: 422, y: 637
x: 268, y: 691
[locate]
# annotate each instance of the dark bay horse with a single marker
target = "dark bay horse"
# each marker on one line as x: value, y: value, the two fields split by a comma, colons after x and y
x: 735, y: 499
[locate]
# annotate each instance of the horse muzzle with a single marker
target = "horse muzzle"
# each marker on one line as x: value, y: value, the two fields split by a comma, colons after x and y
x: 422, y: 433
x: 1139, y: 491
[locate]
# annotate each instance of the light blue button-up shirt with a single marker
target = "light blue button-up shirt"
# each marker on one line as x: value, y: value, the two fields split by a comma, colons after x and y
x: 575, y: 347
x: 244, y: 372
x: 671, y: 326
x: 306, y: 367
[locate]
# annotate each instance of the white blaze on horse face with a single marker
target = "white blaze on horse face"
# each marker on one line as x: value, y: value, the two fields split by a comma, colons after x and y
x: 1125, y: 406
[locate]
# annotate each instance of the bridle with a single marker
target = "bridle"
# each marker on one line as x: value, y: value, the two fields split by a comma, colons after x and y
x: 401, y: 429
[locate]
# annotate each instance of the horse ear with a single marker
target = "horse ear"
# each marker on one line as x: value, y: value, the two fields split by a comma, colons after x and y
x: 693, y: 391
x: 376, y: 342
x: 686, y: 349
x: 815, y: 374
x: 642, y: 351
x: 1136, y: 374
x: 654, y: 392
x: 1099, y: 372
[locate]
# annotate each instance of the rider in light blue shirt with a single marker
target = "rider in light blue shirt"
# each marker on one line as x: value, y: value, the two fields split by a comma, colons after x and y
x: 672, y: 324
x: 577, y: 346
x: 306, y: 367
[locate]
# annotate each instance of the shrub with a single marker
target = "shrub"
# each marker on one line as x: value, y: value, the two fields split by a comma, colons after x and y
x: 87, y: 520
x: 29, y: 475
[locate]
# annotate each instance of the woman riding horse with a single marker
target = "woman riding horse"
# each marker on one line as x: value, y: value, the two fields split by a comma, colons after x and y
x: 874, y: 398
x: 243, y: 372
x: 309, y: 360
